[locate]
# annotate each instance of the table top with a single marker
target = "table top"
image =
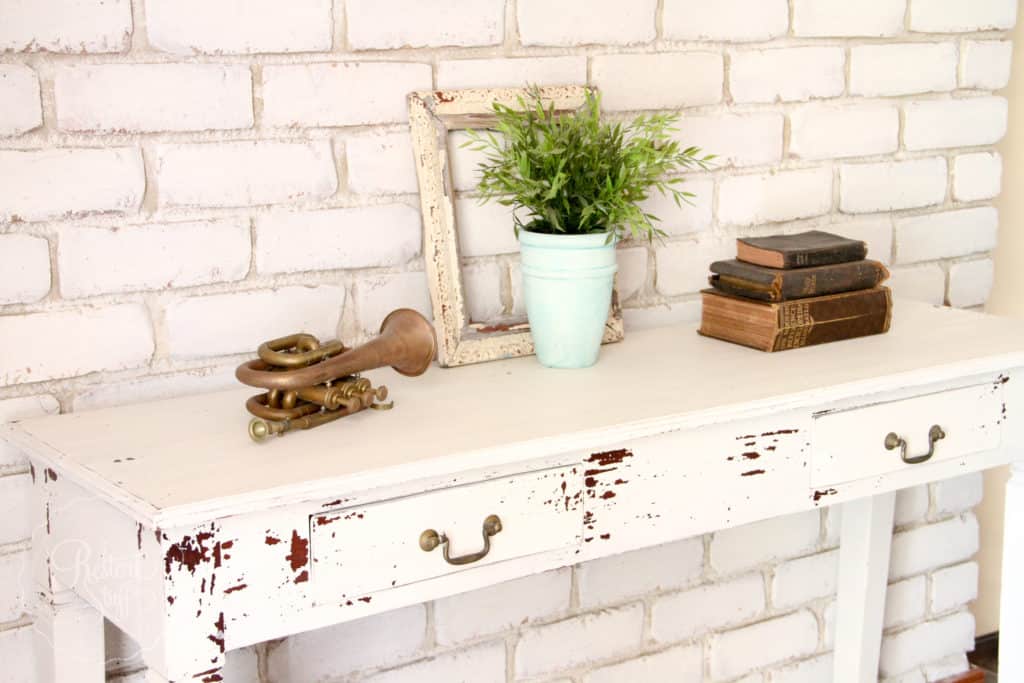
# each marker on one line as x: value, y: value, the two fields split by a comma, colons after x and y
x: 192, y: 456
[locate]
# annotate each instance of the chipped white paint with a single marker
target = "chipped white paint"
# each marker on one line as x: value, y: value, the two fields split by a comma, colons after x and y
x: 219, y: 542
x: 431, y: 116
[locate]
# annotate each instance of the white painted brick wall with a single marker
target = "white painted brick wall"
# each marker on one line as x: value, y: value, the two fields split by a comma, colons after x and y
x: 196, y: 26
x: 153, y: 97
x: 19, y: 91
x: 384, y: 24
x: 185, y: 165
x: 244, y: 173
x: 798, y: 73
x: 663, y: 81
x: 903, y: 68
x: 146, y: 257
x: 927, y: 642
x: 24, y: 268
x: 730, y: 20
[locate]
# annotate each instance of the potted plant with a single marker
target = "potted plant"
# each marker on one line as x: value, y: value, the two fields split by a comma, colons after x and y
x: 579, y: 182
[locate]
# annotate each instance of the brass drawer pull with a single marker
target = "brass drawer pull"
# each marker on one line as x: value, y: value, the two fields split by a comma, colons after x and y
x: 430, y: 539
x: 894, y: 440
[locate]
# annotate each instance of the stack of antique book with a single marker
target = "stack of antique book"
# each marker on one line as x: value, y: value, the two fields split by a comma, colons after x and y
x: 788, y: 291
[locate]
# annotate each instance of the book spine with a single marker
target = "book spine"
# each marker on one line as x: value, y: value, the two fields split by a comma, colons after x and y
x: 807, y: 323
x: 841, y: 277
x: 823, y: 257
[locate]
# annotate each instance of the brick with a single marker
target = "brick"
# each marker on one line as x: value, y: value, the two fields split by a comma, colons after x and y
x: 911, y: 505
x: 953, y: 587
x: 661, y: 315
x: 828, y: 131
x: 683, y: 218
x: 925, y: 283
x: 377, y: 295
x: 632, y: 273
x: 484, y: 229
x: 156, y: 387
x: 157, y: 256
x: 15, y: 496
x: 946, y: 234
x: 196, y: 26
x: 977, y: 176
x: 744, y: 547
x: 69, y: 26
x: 960, y: 494
x: 799, y: 581
x: 786, y: 74
x: 933, y: 545
x: 580, y: 640
x: 15, y: 577
x: 942, y: 670
x: 153, y: 97
x: 835, y: 18
x: 891, y: 185
x: 876, y: 232
x: 657, y: 81
x: 735, y: 139
x: 737, y: 652
x: 12, y: 409
x: 926, y: 642
x: 388, y: 24
x: 340, y: 93
x: 953, y: 16
x: 511, y: 73
x: 986, y: 64
x: 586, y: 22
x: 686, y: 615
x: 808, y: 671
x: 381, y: 164
x: 24, y: 268
x: 16, y: 652
x: 904, y: 602
x: 203, y: 326
x: 464, y: 162
x: 954, y: 123
x: 245, y: 173
x: 382, y: 640
x: 774, y: 197
x: 481, y: 664
x: 241, y: 664
x: 120, y: 337
x: 679, y: 664
x: 66, y: 182
x: 970, y: 283
x: 481, y: 283
x: 682, y: 266
x: 903, y: 68
x: 726, y: 20
x: 479, y: 613
x: 19, y: 91
x: 360, y: 237
x: 665, y: 567
x: 828, y: 626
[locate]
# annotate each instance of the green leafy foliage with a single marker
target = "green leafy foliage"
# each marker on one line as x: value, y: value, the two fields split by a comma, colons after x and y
x: 572, y: 173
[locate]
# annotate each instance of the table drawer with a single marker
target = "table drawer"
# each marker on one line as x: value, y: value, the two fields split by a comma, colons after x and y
x: 358, y: 550
x: 852, y: 444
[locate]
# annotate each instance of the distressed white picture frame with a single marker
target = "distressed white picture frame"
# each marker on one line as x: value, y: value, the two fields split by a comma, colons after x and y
x: 432, y: 116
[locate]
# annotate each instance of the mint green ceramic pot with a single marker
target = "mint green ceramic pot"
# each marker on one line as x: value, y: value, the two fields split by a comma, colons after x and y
x: 567, y: 286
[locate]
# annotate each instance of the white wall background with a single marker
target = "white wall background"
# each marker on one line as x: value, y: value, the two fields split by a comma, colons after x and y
x: 180, y: 180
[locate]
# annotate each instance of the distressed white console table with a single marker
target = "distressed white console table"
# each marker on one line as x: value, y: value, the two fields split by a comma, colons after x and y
x: 167, y: 520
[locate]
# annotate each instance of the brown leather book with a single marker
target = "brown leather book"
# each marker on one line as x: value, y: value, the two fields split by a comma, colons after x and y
x: 802, y: 250
x: 795, y: 324
x: 775, y: 284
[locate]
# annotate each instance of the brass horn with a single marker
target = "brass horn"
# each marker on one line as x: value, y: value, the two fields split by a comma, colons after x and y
x: 309, y: 384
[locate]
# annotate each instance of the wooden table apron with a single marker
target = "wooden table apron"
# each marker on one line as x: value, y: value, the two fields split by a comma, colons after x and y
x: 164, y: 520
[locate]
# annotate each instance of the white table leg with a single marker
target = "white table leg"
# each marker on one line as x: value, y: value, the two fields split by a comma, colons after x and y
x: 68, y: 641
x: 865, y: 540
x: 1011, y: 601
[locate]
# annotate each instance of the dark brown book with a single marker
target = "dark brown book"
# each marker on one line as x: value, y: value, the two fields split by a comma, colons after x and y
x: 802, y: 250
x: 795, y: 324
x: 775, y: 284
